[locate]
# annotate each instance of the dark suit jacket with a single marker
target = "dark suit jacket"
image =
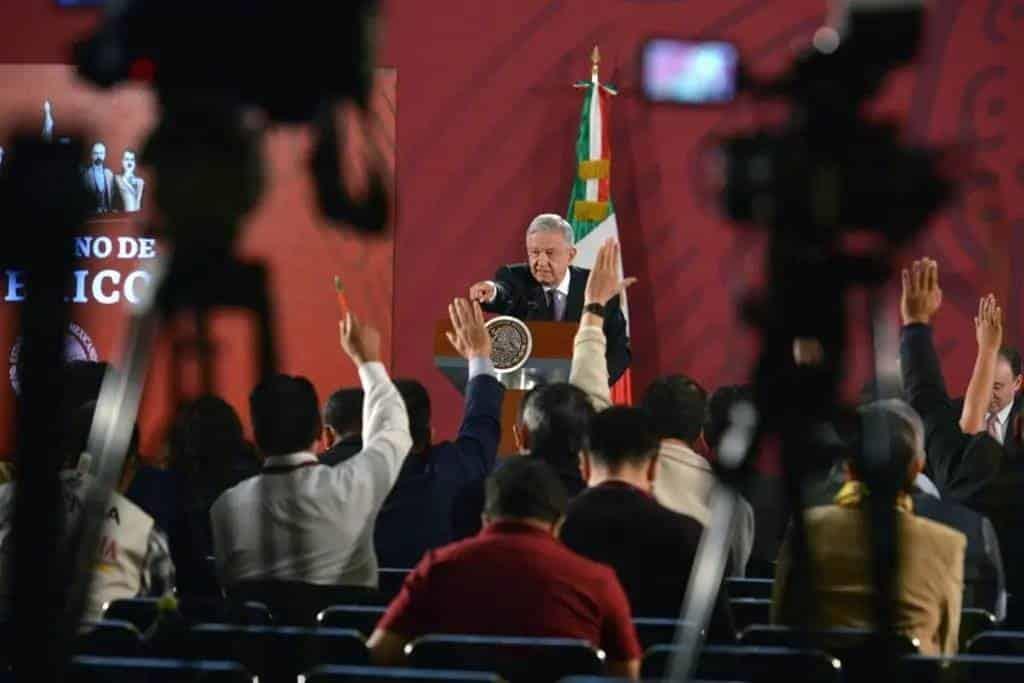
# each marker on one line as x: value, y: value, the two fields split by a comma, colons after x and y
x: 972, y: 469
x: 521, y: 296
x: 984, y: 582
x: 342, y: 451
x: 650, y: 547
x: 417, y: 515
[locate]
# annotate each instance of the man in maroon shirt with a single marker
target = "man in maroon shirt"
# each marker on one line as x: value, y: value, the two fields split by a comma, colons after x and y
x: 514, y: 579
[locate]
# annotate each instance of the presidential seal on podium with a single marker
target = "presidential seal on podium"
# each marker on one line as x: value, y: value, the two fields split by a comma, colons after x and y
x: 511, y: 343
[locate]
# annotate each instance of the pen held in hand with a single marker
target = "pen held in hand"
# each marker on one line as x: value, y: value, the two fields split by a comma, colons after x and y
x: 342, y: 299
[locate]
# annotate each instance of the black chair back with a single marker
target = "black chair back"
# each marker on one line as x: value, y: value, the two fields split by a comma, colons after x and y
x: 1006, y: 643
x: 859, y: 650
x: 390, y: 580
x: 653, y: 632
x: 755, y: 664
x: 88, y: 669
x: 276, y: 653
x: 749, y: 588
x: 749, y: 611
x: 373, y: 674
x: 606, y: 679
x: 975, y: 621
x: 962, y: 669
x: 295, y: 603
x: 362, y: 618
x: 526, y: 660
x: 141, y: 612
x: 109, y: 638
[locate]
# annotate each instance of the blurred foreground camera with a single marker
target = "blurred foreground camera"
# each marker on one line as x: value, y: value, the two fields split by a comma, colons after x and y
x: 828, y: 168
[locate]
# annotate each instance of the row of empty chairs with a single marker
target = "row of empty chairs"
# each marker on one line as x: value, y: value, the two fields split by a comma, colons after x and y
x: 748, y: 613
x: 234, y: 653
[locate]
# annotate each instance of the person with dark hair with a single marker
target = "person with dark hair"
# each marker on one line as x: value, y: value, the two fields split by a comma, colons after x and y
x: 419, y: 513
x: 991, y: 404
x: 151, y: 488
x: 552, y: 425
x: 208, y: 454
x: 301, y: 521
x: 133, y: 558
x: 719, y: 406
x: 513, y: 579
x: 343, y: 426
x: 617, y: 521
x: 677, y: 406
x: 929, y: 585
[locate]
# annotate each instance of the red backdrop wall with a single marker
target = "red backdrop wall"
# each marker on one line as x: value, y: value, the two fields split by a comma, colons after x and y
x: 485, y: 139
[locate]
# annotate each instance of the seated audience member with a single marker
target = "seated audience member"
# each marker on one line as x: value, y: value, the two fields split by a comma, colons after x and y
x: 133, y: 558
x: 984, y: 578
x: 617, y: 521
x: 991, y: 404
x: 553, y: 423
x: 343, y: 426
x: 513, y: 579
x: 552, y: 426
x: 207, y: 455
x: 764, y: 492
x: 970, y: 468
x: 929, y: 585
x: 677, y: 406
x: 417, y: 515
x: 301, y: 521
x: 151, y: 488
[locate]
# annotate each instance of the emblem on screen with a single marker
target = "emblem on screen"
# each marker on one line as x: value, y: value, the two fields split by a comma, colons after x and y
x: 511, y: 343
x: 77, y: 346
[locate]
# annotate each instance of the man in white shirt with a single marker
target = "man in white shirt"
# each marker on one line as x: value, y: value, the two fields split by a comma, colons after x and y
x: 1006, y: 384
x: 300, y: 520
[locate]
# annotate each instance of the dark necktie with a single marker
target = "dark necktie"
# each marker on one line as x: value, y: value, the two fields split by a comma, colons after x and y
x: 548, y: 312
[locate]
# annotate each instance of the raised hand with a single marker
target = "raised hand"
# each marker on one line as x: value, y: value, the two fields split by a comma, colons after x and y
x: 482, y: 292
x: 469, y: 336
x: 922, y: 295
x: 988, y: 324
x: 606, y: 281
x: 359, y: 340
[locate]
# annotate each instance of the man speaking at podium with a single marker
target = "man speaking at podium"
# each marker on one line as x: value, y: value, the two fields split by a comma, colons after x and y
x: 548, y: 288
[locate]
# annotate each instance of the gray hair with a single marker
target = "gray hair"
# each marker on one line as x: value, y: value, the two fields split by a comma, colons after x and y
x: 551, y: 222
x: 901, y: 431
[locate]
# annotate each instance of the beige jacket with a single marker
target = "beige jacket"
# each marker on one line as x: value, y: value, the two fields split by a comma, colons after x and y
x: 684, y: 483
x: 931, y: 579
x: 684, y: 479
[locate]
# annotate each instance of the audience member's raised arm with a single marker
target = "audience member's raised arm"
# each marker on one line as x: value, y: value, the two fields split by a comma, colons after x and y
x: 922, y: 374
x: 988, y: 328
x: 589, y: 368
x: 480, y: 431
x: 386, y: 437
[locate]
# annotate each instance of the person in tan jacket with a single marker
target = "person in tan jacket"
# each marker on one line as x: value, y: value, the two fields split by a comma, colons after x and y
x: 929, y: 586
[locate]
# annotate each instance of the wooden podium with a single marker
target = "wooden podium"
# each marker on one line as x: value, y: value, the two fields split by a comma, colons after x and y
x: 549, y: 361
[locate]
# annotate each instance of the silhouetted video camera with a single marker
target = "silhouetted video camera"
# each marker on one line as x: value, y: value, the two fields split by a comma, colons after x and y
x: 828, y: 168
x: 212, y: 62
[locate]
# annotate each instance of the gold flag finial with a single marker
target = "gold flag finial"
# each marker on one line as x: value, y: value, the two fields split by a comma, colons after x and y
x: 595, y: 60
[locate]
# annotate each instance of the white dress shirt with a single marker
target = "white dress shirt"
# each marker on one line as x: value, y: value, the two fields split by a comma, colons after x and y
x: 303, y: 521
x: 1001, y: 419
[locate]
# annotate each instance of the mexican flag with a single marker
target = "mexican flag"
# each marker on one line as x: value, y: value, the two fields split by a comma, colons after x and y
x: 591, y: 212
